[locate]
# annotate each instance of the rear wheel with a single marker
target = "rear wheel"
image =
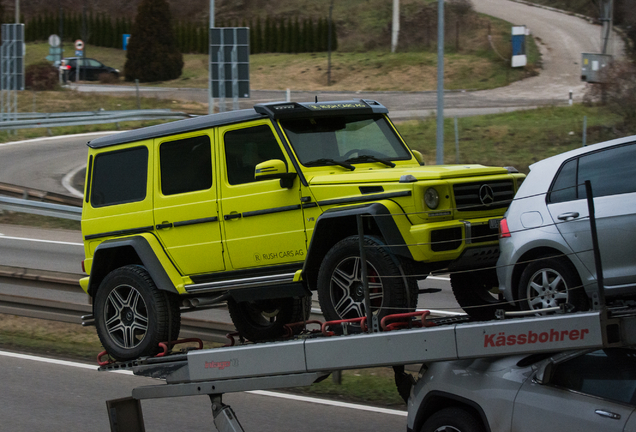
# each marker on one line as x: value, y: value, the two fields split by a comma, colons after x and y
x: 132, y: 315
x: 477, y: 292
x: 550, y: 283
x: 265, y: 319
x: 340, y: 285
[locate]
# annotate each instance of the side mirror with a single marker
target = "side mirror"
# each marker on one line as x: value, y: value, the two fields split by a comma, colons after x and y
x: 418, y: 156
x: 544, y: 374
x: 274, y: 169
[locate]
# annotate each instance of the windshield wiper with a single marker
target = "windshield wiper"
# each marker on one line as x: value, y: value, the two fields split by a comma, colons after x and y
x: 327, y: 161
x: 367, y: 158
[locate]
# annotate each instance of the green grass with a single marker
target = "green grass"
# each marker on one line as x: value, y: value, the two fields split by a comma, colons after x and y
x: 517, y: 139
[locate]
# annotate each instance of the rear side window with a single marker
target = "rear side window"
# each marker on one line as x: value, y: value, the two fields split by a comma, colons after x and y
x: 119, y: 177
x: 611, y: 172
x: 186, y: 165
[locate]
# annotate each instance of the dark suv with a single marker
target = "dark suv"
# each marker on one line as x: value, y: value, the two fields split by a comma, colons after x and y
x: 90, y: 69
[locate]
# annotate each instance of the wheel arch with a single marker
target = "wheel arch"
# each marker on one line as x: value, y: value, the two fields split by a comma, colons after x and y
x: 338, y: 223
x: 438, y: 400
x: 534, y: 254
x: 112, y: 254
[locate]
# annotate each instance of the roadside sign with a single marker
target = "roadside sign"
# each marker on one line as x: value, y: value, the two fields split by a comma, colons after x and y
x: 79, y: 45
x: 125, y: 38
x: 79, y: 53
x: 519, y: 58
x: 54, y: 41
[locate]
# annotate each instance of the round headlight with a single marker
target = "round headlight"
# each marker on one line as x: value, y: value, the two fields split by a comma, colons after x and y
x: 431, y: 198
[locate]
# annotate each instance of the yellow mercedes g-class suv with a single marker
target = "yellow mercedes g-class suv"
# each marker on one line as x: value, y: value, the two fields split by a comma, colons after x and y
x: 259, y: 207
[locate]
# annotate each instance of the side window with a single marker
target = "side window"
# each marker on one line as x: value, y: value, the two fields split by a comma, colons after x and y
x: 610, y: 171
x: 609, y: 374
x: 246, y: 148
x: 119, y: 177
x: 564, y: 187
x: 186, y: 165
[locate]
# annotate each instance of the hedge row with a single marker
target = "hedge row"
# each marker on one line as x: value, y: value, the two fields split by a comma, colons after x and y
x: 266, y: 36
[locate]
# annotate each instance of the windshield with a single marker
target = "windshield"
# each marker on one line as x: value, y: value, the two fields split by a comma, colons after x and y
x: 328, y: 140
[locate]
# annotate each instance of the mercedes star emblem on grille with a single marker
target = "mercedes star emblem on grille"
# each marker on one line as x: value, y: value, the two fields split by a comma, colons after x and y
x: 486, y: 195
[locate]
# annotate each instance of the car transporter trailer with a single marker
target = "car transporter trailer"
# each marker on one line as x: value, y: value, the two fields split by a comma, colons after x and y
x: 308, y: 359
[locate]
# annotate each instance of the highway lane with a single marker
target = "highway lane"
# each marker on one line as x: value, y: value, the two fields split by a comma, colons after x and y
x: 40, y: 396
x: 44, y: 162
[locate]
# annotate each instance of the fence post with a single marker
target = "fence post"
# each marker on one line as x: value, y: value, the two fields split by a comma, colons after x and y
x: 371, y: 325
x: 584, y: 131
x: 599, y: 296
x: 456, y: 142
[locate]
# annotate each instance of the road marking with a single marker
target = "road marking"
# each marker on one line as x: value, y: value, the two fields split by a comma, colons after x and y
x: 2, y: 236
x: 328, y: 402
x: 438, y: 278
x: 255, y: 392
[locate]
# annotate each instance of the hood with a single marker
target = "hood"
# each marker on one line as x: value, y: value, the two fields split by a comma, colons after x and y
x: 339, y: 175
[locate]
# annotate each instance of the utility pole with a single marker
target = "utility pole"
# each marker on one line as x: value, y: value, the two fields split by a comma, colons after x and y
x: 329, y: 47
x: 439, y: 160
x: 607, y: 18
x: 210, y: 98
x: 395, y: 29
x: 17, y: 11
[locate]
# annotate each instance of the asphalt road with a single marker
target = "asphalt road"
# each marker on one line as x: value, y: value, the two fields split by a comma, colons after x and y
x: 64, y: 396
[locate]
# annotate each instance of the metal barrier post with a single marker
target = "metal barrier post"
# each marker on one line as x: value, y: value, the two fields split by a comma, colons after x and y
x: 599, y: 296
x: 371, y: 324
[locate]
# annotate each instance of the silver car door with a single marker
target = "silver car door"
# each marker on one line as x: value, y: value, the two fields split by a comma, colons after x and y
x: 593, y: 391
x: 612, y: 173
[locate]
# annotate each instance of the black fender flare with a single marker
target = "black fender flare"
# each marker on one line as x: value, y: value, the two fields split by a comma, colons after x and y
x: 112, y: 254
x: 338, y: 223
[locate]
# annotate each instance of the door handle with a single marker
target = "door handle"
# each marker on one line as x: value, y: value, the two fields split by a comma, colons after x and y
x: 164, y: 225
x: 568, y: 216
x: 233, y: 215
x: 608, y: 414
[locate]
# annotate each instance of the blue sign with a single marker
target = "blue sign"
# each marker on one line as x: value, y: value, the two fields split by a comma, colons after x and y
x: 125, y: 41
x: 79, y: 53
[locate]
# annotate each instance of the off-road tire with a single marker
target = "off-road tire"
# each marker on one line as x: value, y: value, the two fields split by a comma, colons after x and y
x: 132, y: 315
x: 339, y: 283
x: 477, y: 293
x: 264, y: 320
x: 548, y: 283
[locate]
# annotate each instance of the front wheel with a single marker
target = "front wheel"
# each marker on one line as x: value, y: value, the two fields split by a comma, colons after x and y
x: 340, y: 285
x: 264, y: 320
x: 550, y: 283
x: 477, y: 292
x: 132, y: 315
x: 452, y: 420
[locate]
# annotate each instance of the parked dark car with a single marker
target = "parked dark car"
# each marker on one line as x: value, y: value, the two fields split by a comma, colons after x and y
x: 90, y: 69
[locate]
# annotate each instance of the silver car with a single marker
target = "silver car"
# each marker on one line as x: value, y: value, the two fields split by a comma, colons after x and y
x: 546, y: 255
x: 570, y: 391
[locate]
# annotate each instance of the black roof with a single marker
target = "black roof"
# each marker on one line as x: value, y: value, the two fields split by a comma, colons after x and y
x: 274, y: 110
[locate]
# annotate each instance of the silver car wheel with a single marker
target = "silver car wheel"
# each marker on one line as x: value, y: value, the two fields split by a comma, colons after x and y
x: 126, y: 316
x: 546, y: 288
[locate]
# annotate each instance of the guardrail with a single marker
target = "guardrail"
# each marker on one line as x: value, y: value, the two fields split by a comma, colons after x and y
x: 55, y: 310
x: 48, y: 120
x: 24, y: 192
x: 41, y: 208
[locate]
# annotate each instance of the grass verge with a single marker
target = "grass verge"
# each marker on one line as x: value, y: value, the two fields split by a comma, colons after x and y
x: 517, y: 139
x: 74, y: 342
